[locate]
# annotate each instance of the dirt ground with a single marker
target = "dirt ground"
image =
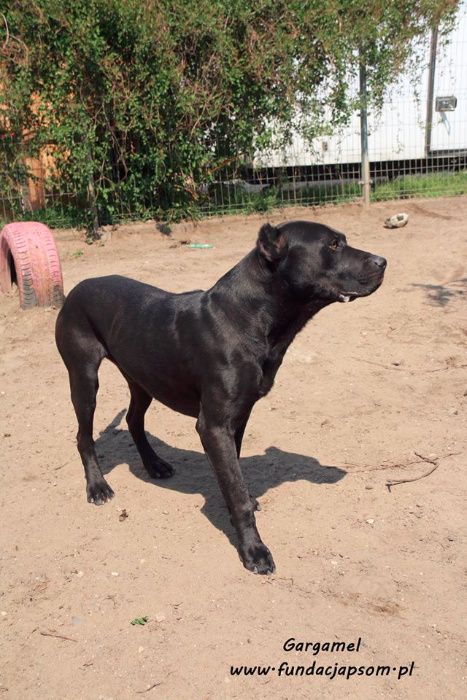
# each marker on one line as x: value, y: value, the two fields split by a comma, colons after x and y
x: 368, y: 392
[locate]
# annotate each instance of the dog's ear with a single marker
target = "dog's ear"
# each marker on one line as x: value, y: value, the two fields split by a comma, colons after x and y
x: 271, y: 243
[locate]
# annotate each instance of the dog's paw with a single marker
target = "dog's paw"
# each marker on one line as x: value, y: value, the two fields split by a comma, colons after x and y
x: 99, y: 493
x: 159, y: 469
x: 258, y: 559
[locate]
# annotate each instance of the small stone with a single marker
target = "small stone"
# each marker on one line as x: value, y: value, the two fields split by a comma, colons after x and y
x: 140, y: 649
x: 3, y: 613
x: 370, y: 521
x: 80, y: 574
x: 397, y: 220
x: 114, y: 573
x: 453, y: 411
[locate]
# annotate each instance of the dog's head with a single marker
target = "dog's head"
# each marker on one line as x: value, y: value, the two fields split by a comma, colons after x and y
x: 315, y: 262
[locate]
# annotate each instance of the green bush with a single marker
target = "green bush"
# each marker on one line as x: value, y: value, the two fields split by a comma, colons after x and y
x: 144, y: 101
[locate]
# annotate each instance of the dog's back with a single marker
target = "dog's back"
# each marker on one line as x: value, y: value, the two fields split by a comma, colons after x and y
x: 129, y: 322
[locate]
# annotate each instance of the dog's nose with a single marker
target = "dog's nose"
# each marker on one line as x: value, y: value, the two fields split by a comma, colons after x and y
x: 379, y: 262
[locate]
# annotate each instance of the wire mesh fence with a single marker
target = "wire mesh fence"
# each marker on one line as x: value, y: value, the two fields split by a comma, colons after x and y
x: 417, y: 147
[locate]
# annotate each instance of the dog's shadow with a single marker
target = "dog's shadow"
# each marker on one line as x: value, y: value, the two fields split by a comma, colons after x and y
x: 194, y: 475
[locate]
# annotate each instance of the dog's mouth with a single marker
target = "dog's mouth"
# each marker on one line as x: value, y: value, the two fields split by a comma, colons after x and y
x: 369, y: 285
x: 348, y: 296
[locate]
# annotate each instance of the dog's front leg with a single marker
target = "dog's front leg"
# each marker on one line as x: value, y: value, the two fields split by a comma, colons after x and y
x: 219, y: 445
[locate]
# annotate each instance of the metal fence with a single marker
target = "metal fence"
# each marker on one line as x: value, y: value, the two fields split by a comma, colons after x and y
x: 416, y: 147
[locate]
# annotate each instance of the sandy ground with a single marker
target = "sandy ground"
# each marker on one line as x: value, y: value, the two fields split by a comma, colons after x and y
x: 363, y: 389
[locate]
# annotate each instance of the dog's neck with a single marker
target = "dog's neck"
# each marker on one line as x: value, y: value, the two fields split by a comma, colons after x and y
x: 261, y: 303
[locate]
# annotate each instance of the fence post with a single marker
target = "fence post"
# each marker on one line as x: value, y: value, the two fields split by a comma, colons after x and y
x: 431, y: 90
x: 365, y: 167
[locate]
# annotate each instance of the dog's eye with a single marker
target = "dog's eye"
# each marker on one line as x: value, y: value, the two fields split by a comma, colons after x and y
x: 334, y: 245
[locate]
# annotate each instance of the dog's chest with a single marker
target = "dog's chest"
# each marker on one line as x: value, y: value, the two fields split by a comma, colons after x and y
x: 269, y: 370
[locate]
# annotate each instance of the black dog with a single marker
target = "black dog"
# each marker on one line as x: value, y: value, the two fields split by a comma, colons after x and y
x: 210, y: 354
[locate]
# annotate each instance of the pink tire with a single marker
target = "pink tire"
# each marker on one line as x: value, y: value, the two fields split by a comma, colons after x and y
x: 29, y: 257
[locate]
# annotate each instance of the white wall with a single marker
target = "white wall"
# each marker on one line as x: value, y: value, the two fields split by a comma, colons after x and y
x: 398, y: 132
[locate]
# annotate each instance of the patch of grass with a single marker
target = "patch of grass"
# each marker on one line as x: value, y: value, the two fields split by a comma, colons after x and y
x: 432, y: 185
x: 234, y: 198
x: 323, y: 193
x: 261, y: 201
x: 56, y: 216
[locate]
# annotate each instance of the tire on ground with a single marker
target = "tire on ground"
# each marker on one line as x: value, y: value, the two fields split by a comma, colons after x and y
x: 29, y: 257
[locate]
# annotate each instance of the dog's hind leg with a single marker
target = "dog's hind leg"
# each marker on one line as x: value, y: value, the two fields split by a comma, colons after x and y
x: 82, y: 354
x: 84, y: 385
x: 155, y: 466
